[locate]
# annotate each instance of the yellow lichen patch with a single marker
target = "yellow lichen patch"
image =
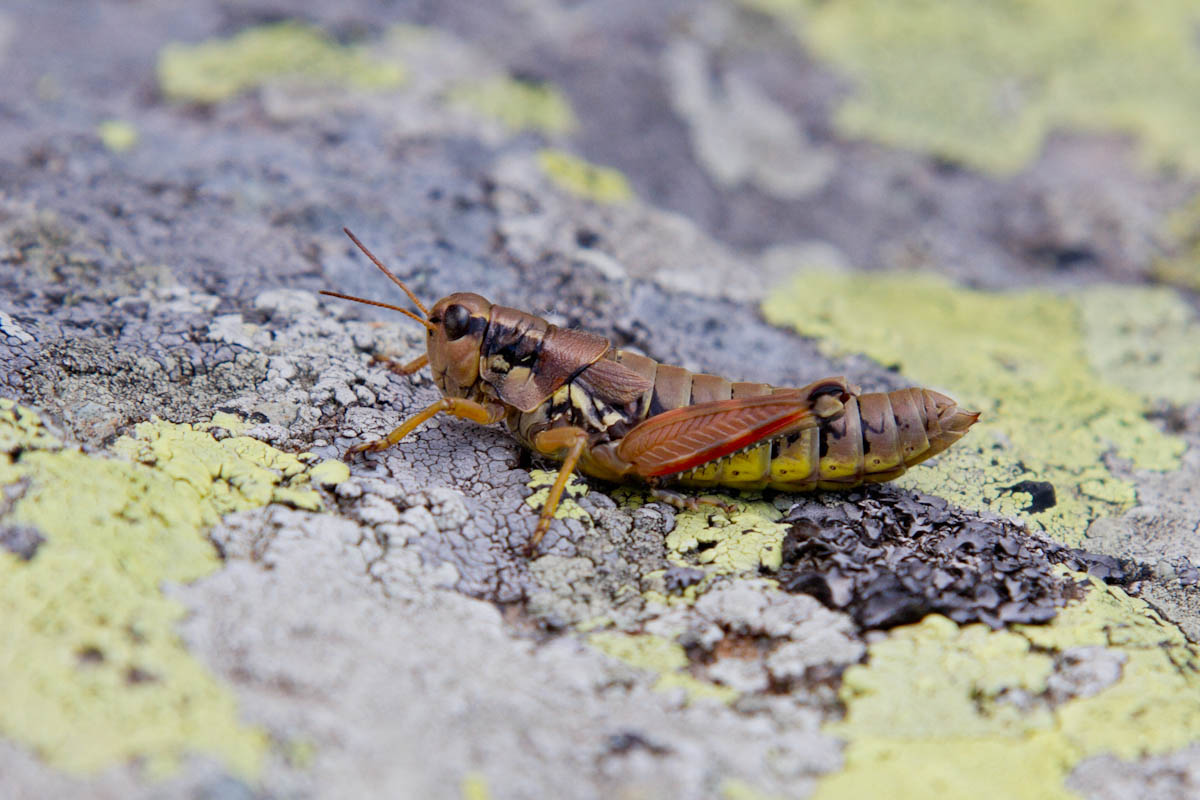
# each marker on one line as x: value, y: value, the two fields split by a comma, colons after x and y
x: 215, y: 70
x: 747, y: 539
x: 1024, y: 359
x: 738, y: 789
x: 939, y: 710
x: 117, y: 135
x: 300, y: 753
x: 22, y: 429
x: 329, y: 473
x: 1142, y: 339
x: 222, y: 420
x: 474, y: 787
x: 92, y: 673
x: 235, y: 473
x: 595, y: 183
x: 985, y: 82
x: 743, y: 541
x: 662, y: 656
x: 540, y: 480
x: 519, y: 105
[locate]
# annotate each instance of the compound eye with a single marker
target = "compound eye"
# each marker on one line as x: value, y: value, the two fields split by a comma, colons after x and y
x: 456, y: 320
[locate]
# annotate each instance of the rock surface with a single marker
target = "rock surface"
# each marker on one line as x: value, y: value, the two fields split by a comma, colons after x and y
x: 204, y: 602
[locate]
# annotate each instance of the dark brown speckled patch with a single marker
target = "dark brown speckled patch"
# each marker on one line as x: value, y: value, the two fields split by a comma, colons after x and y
x: 889, y: 557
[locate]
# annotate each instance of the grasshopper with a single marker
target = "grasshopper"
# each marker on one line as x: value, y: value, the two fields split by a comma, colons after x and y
x: 619, y: 416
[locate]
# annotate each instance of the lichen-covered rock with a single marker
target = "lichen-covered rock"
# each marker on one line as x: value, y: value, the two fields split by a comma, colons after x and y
x: 207, y: 601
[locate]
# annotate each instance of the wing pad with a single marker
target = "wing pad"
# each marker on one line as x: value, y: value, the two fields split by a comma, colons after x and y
x: 684, y: 438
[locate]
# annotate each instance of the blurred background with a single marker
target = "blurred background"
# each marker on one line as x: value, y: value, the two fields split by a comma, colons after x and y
x: 999, y: 142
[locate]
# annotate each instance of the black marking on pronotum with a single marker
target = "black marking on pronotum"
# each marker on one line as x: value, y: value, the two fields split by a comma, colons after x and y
x: 478, y: 326
x: 525, y: 351
x: 499, y: 336
x: 519, y: 345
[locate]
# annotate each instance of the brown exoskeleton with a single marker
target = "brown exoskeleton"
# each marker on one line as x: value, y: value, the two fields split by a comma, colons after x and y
x: 619, y: 416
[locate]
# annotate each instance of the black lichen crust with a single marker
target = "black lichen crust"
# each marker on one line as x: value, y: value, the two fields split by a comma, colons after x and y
x: 889, y: 557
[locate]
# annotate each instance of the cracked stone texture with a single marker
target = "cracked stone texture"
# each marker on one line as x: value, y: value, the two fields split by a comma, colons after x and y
x: 1160, y: 778
x: 401, y: 646
x: 364, y: 632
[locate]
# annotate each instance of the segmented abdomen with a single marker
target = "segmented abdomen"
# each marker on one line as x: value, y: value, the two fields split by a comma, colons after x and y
x: 877, y: 438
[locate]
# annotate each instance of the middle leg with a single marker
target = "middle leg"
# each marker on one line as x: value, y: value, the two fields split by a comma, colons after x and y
x: 567, y: 444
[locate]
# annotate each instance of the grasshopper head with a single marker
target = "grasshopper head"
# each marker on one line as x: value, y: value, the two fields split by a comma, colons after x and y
x: 456, y: 326
x: 455, y: 342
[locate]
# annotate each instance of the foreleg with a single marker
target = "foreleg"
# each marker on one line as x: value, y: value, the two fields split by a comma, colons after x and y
x: 407, y: 368
x: 454, y: 406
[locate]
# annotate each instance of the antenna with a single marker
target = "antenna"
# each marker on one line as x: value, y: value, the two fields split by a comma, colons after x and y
x: 386, y: 271
x: 403, y: 311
